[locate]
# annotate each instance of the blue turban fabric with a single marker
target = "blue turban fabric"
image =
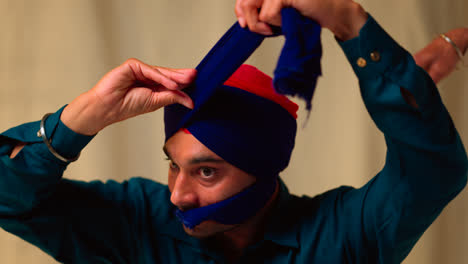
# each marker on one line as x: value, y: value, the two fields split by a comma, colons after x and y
x: 250, y: 132
x: 299, y: 63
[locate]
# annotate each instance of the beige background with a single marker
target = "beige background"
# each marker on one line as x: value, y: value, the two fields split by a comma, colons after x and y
x: 53, y: 50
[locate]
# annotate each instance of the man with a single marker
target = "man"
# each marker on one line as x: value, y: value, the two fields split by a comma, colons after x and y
x: 134, y: 222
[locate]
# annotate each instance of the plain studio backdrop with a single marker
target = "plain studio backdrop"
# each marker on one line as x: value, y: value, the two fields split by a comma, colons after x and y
x: 53, y: 50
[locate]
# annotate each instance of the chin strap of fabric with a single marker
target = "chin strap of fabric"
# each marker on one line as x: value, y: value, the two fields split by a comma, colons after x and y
x: 232, y: 210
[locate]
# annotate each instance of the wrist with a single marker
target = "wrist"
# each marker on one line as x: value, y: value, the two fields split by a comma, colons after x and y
x: 458, y: 38
x: 352, y: 19
x: 82, y: 116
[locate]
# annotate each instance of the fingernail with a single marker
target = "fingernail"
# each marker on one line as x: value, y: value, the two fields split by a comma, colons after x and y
x: 173, y: 85
x: 242, y: 22
x: 190, y: 105
x: 266, y: 32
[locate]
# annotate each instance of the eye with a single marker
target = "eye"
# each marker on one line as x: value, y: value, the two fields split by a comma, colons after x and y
x: 207, y: 172
x: 172, y: 165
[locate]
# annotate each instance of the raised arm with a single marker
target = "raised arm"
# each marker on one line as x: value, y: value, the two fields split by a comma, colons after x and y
x: 73, y: 220
x: 426, y: 164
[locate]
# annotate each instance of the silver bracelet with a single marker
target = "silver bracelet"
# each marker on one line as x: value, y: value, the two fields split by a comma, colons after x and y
x: 459, y: 53
x: 41, y: 133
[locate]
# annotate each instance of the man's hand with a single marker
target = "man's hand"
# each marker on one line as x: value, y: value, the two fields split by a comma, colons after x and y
x: 439, y: 58
x: 132, y: 89
x: 343, y: 17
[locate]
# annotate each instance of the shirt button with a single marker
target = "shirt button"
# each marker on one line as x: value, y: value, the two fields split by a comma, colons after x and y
x: 375, y: 56
x: 361, y: 62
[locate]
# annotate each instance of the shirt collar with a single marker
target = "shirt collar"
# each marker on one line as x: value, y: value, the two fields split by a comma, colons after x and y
x: 281, y: 229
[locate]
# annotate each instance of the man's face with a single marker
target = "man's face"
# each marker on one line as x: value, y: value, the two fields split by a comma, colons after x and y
x: 198, y: 177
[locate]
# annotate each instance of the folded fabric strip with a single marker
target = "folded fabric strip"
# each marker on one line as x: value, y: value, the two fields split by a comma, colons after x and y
x: 248, y: 131
x: 296, y: 72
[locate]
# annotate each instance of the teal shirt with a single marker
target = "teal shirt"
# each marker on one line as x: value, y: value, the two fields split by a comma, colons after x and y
x: 134, y: 222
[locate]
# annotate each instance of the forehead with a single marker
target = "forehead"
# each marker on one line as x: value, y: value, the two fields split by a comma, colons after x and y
x: 183, y: 145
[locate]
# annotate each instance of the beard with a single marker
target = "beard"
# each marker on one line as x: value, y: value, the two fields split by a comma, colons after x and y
x: 208, y: 229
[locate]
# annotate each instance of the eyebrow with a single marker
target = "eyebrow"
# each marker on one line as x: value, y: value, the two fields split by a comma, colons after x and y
x: 166, y: 152
x: 205, y: 159
x: 198, y: 160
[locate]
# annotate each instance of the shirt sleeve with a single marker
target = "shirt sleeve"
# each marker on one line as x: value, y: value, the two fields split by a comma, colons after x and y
x: 73, y: 221
x: 426, y: 162
x: 30, y: 176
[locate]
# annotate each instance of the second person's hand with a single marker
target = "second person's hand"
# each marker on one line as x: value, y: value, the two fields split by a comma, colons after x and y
x: 440, y: 58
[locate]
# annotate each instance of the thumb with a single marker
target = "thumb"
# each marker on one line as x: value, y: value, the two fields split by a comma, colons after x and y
x: 170, y: 97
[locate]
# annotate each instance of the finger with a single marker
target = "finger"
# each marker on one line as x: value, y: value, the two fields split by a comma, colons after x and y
x: 240, y: 14
x: 183, y: 77
x: 168, y: 97
x: 271, y: 12
x: 177, y: 70
x: 157, y: 76
x: 256, y: 25
x: 251, y: 16
x: 142, y: 72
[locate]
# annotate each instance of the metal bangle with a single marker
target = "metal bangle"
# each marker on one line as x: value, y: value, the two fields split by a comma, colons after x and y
x: 41, y: 133
x: 459, y: 53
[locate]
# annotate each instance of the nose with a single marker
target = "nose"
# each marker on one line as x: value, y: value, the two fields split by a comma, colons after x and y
x: 183, y: 193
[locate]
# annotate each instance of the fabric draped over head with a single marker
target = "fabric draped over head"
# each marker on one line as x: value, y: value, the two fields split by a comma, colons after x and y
x: 239, y: 116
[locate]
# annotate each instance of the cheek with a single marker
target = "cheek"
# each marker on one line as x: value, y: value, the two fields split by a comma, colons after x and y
x: 230, y: 185
x: 210, y: 195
